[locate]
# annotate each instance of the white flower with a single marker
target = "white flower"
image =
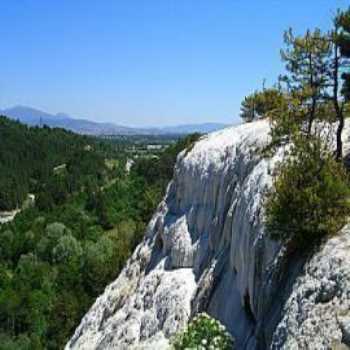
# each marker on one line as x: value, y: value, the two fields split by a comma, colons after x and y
x: 222, y: 328
x: 215, y: 340
x: 204, y: 342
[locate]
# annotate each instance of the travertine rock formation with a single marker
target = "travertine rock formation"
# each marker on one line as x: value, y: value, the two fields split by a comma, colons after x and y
x: 206, y: 250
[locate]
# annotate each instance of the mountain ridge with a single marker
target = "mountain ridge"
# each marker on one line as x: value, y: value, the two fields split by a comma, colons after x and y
x: 34, y: 117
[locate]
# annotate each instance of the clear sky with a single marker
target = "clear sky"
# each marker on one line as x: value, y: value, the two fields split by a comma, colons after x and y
x: 146, y: 62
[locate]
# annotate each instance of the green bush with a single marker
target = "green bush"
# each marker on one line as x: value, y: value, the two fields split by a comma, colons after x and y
x: 310, y: 196
x: 262, y: 104
x: 203, y: 333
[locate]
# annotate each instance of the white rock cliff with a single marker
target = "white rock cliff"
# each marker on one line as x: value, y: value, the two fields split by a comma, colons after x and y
x: 205, y: 249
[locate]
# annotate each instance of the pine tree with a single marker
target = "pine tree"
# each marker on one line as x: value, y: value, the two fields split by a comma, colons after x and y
x: 306, y: 59
x: 340, y: 81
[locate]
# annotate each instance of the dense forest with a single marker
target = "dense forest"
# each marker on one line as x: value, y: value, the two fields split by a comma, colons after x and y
x: 28, y: 157
x: 59, y: 254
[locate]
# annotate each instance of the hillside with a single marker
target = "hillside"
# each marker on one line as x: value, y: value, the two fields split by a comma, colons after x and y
x: 87, y: 214
x: 28, y: 157
x: 206, y: 249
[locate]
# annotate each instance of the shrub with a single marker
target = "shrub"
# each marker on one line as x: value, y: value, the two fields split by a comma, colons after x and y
x: 310, y: 196
x: 204, y: 332
x: 261, y: 104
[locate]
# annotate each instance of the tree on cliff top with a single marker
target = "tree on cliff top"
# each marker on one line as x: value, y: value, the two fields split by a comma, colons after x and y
x: 340, y: 80
x: 310, y: 196
x: 261, y: 104
x: 306, y: 58
x: 316, y: 85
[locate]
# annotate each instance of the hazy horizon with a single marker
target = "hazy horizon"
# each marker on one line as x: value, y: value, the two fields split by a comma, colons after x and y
x: 147, y: 63
x: 148, y: 126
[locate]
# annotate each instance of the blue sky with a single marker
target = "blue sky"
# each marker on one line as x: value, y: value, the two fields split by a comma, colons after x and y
x: 146, y: 62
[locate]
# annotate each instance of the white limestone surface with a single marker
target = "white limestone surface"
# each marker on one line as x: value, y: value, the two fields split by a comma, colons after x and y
x: 317, y: 313
x: 205, y: 249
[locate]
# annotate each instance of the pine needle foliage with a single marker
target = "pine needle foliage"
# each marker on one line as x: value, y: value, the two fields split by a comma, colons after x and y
x: 310, y: 196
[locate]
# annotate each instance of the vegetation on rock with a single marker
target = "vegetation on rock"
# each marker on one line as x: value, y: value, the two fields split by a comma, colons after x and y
x: 204, y: 333
x: 310, y: 195
x: 314, y: 87
x: 310, y: 198
x: 261, y: 104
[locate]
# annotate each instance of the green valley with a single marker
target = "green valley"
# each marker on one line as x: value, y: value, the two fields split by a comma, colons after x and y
x: 90, y: 212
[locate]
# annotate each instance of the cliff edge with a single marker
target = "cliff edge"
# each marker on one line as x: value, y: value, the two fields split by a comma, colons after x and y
x: 206, y: 249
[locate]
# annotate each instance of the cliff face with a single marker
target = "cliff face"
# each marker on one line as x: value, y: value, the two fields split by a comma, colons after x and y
x: 206, y: 250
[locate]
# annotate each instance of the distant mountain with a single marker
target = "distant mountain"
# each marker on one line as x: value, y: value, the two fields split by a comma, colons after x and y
x: 191, y: 128
x: 32, y: 116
